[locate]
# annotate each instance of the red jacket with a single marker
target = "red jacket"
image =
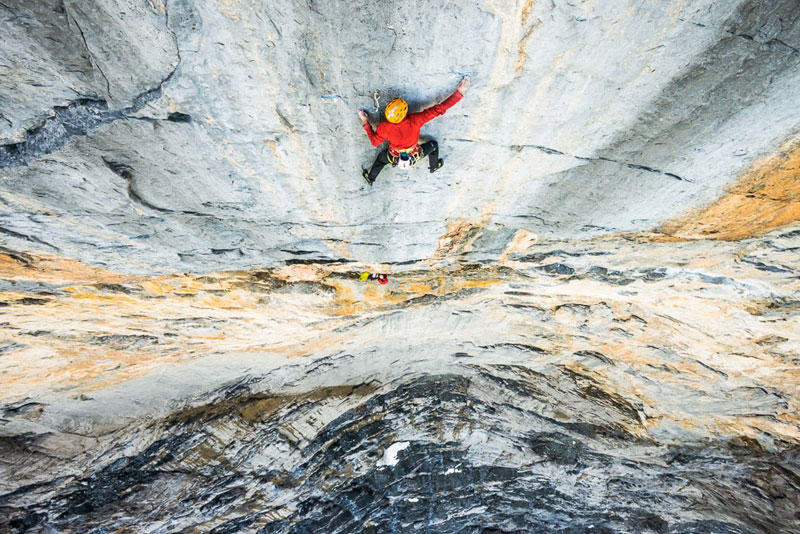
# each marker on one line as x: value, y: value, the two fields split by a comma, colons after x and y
x: 405, y: 134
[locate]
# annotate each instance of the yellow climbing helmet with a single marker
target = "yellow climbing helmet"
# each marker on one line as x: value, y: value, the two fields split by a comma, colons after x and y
x: 396, y: 110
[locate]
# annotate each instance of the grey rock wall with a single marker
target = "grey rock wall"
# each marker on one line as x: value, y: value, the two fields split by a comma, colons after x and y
x: 554, y: 380
x: 585, y: 386
x: 152, y: 136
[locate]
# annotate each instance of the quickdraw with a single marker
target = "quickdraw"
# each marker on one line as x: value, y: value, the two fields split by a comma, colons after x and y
x: 376, y: 96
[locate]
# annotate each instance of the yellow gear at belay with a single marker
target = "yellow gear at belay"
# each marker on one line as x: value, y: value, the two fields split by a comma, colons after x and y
x: 396, y: 110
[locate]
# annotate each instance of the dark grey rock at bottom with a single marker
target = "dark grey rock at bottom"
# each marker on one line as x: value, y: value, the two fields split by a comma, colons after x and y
x: 246, y: 462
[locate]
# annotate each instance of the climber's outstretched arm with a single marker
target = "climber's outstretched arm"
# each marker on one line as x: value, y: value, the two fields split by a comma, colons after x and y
x: 374, y: 138
x: 439, y: 109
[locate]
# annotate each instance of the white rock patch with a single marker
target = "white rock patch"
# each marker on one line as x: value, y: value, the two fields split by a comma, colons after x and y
x: 390, y: 455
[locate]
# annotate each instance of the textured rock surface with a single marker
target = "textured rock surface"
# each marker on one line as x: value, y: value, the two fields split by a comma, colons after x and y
x: 199, y: 136
x: 184, y: 342
x: 582, y: 386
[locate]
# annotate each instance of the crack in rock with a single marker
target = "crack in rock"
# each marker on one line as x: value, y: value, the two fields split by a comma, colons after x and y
x: 94, y: 62
x: 126, y: 172
x: 80, y: 117
x: 554, y: 152
x: 32, y: 239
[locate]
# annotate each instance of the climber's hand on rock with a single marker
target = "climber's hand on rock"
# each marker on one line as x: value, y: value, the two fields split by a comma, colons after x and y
x: 463, y: 85
x: 363, y: 116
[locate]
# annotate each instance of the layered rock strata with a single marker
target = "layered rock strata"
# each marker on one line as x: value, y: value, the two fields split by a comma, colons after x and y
x: 578, y: 387
x: 591, y: 320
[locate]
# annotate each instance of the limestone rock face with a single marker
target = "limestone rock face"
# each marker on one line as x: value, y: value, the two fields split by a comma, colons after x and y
x: 580, y: 386
x: 159, y: 136
x: 591, y: 322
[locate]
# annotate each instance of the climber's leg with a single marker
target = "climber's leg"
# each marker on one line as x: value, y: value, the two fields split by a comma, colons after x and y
x: 380, y: 162
x: 431, y: 149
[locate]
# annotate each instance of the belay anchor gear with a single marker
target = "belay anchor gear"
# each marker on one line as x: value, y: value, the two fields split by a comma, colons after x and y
x: 381, y: 278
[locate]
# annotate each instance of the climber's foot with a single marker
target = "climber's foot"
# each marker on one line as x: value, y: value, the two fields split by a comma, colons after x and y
x: 365, y: 174
x: 438, y: 166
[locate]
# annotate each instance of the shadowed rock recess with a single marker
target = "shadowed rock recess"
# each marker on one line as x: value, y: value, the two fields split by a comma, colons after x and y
x: 592, y: 318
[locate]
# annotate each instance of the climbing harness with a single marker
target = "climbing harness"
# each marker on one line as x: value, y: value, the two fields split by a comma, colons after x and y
x: 404, y: 158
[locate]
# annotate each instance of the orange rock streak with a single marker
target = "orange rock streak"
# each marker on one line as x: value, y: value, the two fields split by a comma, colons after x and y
x: 766, y: 197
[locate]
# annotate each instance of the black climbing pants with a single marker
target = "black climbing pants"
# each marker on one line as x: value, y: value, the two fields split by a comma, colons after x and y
x: 430, y: 149
x: 380, y: 163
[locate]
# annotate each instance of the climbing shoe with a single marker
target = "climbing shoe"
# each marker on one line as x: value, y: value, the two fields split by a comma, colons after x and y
x: 438, y: 166
x: 365, y: 174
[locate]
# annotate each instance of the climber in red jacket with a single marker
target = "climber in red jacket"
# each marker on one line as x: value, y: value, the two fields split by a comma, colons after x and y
x: 402, y: 131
